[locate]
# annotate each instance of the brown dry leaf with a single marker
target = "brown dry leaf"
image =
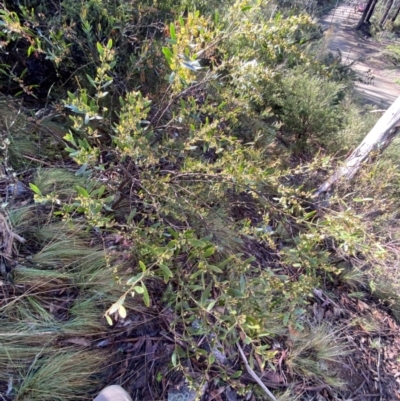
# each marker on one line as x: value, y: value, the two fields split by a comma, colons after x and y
x: 362, y: 305
x: 259, y: 362
x: 78, y: 341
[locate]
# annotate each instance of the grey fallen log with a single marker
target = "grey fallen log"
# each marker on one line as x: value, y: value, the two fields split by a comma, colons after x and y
x: 378, y: 139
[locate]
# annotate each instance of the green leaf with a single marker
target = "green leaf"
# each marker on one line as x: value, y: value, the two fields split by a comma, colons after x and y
x: 101, y: 95
x: 209, y: 251
x: 206, y: 294
x: 91, y: 80
x: 211, y: 305
x: 308, y: 215
x: 101, y: 190
x: 114, y: 308
x: 82, y: 169
x: 166, y: 272
x: 235, y: 293
x: 100, y: 48
x: 172, y: 31
x: 142, y: 266
x: 168, y: 54
x: 122, y: 311
x: 35, y: 189
x: 242, y: 282
x: 82, y: 192
x: 236, y: 375
x: 226, y: 261
x: 146, y: 297
x: 173, y: 232
x: 108, y: 83
x: 134, y: 279
x: 172, y: 244
x: 246, y: 8
x: 211, y: 358
x: 109, y: 44
x: 358, y: 200
x: 214, y: 268
x: 173, y: 359
x: 132, y: 214
x: 109, y: 320
x: 171, y: 77
x: 138, y: 289
x: 70, y: 138
x: 196, y: 243
x: 216, y: 18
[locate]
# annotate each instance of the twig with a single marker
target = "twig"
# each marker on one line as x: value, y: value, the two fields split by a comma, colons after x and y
x: 254, y: 376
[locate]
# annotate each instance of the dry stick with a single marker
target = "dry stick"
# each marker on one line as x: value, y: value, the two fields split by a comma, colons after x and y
x: 254, y: 376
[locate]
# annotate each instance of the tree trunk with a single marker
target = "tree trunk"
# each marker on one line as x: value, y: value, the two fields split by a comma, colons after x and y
x: 362, y: 19
x: 387, y: 11
x: 371, y: 11
x: 396, y: 15
x: 378, y: 139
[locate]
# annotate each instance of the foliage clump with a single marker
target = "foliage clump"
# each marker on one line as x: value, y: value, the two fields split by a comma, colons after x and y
x: 182, y: 187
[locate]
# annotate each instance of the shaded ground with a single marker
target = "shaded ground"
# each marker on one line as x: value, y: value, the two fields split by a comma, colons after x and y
x: 379, y: 86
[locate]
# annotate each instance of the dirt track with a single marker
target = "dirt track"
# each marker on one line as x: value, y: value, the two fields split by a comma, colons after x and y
x: 370, y: 64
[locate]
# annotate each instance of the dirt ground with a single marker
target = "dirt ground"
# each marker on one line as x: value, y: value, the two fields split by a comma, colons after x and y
x: 380, y: 87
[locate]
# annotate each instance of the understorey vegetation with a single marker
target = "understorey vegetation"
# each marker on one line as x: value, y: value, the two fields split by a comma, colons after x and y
x: 159, y: 227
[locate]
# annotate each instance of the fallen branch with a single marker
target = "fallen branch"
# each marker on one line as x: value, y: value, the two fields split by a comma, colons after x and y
x: 254, y: 376
x: 378, y: 139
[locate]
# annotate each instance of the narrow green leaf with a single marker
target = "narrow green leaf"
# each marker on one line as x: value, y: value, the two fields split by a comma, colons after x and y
x: 101, y: 190
x: 173, y: 233
x: 82, y: 169
x: 173, y: 359
x: 82, y: 192
x: 236, y: 375
x: 91, y: 80
x: 172, y: 31
x: 235, y: 293
x: 206, y: 294
x: 211, y: 305
x: 197, y: 243
x: 242, y: 282
x: 214, y: 268
x: 146, y: 297
x: 142, y: 266
x: 109, y: 320
x: 109, y: 44
x: 100, y: 48
x: 35, y: 189
x: 358, y: 200
x: 168, y: 54
x: 166, y: 272
x: 226, y: 261
x: 308, y: 215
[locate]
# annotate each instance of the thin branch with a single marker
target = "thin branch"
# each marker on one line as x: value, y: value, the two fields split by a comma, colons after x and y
x: 254, y: 376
